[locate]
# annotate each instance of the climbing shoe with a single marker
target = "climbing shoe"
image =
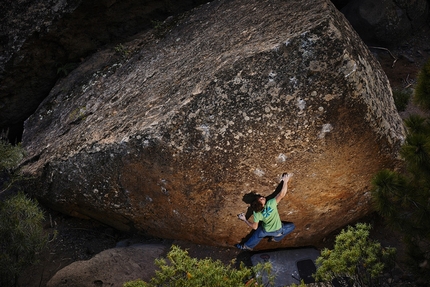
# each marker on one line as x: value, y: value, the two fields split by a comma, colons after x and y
x: 242, y: 247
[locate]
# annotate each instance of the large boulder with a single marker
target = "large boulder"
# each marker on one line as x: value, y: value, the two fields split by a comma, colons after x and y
x: 169, y: 137
x: 43, y: 40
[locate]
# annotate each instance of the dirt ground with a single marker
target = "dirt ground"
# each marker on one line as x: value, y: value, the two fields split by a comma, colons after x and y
x: 79, y: 239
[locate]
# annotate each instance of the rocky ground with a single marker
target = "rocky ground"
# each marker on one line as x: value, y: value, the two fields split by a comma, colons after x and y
x: 79, y: 239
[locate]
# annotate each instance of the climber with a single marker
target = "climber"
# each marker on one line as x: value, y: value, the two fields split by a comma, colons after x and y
x: 266, y: 211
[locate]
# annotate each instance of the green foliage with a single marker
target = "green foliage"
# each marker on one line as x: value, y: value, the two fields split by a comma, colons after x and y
x: 422, y: 89
x: 401, y: 99
x: 388, y: 182
x: 78, y: 114
x: 302, y: 284
x: 160, y: 28
x: 403, y: 198
x: 10, y: 155
x: 417, y: 125
x: 122, y: 50
x: 182, y: 270
x: 21, y: 236
x: 67, y: 68
x: 157, y: 25
x: 355, y: 256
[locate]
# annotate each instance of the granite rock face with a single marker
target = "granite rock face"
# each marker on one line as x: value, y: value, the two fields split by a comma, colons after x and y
x: 41, y: 41
x: 168, y: 137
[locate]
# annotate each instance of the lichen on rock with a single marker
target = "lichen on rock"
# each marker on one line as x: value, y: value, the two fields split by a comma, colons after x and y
x: 169, y: 140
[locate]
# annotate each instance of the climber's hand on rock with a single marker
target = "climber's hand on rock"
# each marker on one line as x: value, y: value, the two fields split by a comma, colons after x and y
x: 286, y: 177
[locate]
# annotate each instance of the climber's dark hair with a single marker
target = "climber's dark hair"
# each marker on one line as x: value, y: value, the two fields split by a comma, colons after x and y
x: 256, y: 205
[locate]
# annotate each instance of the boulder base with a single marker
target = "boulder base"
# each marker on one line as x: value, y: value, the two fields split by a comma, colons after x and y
x: 112, y: 267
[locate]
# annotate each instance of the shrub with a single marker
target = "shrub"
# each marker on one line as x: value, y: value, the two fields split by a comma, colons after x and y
x: 122, y: 50
x: 422, y: 90
x: 10, y: 155
x: 21, y: 236
x: 182, y: 270
x: 355, y: 258
x: 21, y: 232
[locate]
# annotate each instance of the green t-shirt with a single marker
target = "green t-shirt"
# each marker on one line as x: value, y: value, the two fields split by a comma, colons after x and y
x: 269, y: 216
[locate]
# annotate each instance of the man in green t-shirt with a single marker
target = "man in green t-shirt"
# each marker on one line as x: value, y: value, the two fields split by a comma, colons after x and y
x: 267, y: 213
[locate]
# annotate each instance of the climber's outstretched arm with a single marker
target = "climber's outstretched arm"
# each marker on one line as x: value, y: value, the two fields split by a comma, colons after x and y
x: 253, y: 225
x: 285, y: 177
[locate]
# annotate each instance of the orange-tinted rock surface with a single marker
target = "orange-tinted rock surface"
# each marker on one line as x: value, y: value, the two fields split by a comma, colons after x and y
x: 166, y: 133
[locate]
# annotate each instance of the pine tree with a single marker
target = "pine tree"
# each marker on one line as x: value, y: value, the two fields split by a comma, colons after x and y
x: 422, y: 90
x: 403, y: 199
